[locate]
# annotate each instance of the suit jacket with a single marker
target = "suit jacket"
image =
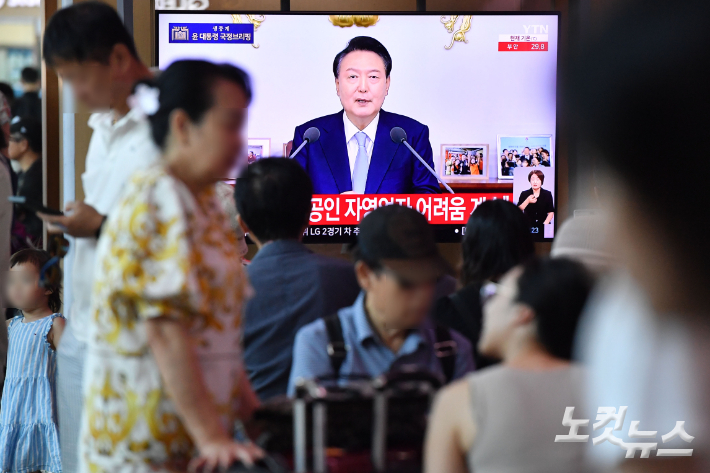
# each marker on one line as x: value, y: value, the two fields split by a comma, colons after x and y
x: 293, y: 288
x: 393, y: 168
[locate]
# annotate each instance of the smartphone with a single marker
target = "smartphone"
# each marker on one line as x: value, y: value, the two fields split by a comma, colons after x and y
x: 22, y: 201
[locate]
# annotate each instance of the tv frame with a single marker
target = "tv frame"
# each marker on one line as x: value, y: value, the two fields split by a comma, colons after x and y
x: 440, y: 236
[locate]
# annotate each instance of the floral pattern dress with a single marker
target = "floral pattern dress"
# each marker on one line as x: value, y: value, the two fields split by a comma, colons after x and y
x: 163, y: 253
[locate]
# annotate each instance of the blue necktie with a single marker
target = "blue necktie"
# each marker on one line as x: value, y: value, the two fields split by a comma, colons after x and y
x: 361, y: 165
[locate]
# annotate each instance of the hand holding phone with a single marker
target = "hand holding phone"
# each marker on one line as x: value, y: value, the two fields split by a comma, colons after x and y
x: 22, y: 202
x: 81, y: 220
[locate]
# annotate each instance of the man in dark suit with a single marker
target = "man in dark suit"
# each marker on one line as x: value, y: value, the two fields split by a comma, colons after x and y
x: 293, y: 286
x: 29, y: 104
x: 355, y: 152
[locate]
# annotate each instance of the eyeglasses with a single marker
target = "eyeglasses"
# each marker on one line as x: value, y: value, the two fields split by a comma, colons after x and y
x: 491, y: 289
x: 51, y: 274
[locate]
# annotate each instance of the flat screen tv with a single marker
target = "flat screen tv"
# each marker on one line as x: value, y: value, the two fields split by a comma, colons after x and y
x: 472, y: 94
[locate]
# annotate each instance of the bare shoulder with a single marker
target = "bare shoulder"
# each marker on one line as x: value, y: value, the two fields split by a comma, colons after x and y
x: 453, y: 405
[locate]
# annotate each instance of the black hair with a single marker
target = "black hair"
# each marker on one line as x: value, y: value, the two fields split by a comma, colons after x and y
x: 497, y: 239
x: 621, y: 97
x: 9, y: 93
x: 30, y: 129
x: 87, y: 31
x: 273, y: 197
x: 30, y: 75
x: 188, y: 86
x: 539, y: 174
x: 38, y: 258
x: 363, y: 43
x: 556, y: 289
x: 3, y: 141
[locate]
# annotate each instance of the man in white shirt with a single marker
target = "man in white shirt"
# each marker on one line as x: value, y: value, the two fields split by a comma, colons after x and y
x: 355, y: 152
x: 5, y: 225
x: 88, y: 47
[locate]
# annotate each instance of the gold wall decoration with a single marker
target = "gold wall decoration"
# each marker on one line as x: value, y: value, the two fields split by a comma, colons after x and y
x: 345, y: 21
x: 460, y: 34
x: 255, y: 20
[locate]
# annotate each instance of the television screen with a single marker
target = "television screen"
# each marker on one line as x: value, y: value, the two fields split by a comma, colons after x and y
x: 439, y: 112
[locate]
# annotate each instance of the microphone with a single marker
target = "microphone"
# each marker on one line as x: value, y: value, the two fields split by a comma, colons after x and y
x: 310, y: 136
x: 398, y: 135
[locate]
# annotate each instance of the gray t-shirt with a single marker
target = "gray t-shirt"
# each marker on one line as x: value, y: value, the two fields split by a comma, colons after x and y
x: 518, y: 413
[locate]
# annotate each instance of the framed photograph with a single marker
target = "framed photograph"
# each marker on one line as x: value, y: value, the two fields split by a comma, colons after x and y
x: 288, y: 147
x: 523, y: 151
x: 258, y: 148
x: 463, y: 163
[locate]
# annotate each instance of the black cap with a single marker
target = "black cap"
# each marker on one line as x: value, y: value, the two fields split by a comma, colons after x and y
x: 30, y: 129
x: 401, y: 239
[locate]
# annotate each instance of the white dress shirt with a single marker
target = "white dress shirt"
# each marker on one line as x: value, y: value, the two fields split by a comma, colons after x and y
x: 350, y: 130
x: 5, y: 226
x: 116, y: 151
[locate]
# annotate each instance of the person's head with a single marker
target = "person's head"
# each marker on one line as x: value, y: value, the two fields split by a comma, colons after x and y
x: 535, y: 161
x: 545, y: 155
x: 397, y: 264
x: 505, y: 151
x: 526, y: 151
x: 23, y: 289
x: 25, y: 138
x: 634, y: 102
x: 503, y: 157
x: 584, y: 238
x: 515, y: 152
x: 497, y: 238
x: 8, y: 92
x: 536, y: 179
x: 536, y: 304
x: 524, y: 162
x: 89, y: 47
x: 200, y: 118
x: 30, y: 79
x: 510, y: 156
x: 362, y: 77
x: 518, y: 162
x: 273, y: 199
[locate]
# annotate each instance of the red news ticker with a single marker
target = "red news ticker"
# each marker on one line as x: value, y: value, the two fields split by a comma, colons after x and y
x: 523, y: 46
x: 349, y: 209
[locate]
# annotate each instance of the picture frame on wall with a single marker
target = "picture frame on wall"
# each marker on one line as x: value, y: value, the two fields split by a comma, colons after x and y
x: 463, y: 163
x: 513, y: 146
x: 288, y: 147
x: 258, y: 148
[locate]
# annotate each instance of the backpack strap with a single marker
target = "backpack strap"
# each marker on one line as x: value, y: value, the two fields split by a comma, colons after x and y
x: 337, y: 351
x: 446, y: 349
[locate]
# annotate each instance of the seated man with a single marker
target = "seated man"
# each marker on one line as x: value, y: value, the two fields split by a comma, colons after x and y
x: 293, y: 286
x: 397, y: 265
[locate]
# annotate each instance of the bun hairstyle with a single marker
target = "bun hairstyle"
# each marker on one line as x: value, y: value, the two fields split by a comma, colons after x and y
x: 188, y: 85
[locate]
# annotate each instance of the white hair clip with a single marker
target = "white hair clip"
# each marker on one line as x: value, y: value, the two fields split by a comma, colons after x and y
x: 145, y: 99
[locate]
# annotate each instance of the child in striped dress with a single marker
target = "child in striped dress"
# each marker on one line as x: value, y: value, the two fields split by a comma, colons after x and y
x: 29, y: 440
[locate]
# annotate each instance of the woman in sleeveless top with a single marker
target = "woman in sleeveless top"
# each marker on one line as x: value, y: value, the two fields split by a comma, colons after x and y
x: 505, y: 418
